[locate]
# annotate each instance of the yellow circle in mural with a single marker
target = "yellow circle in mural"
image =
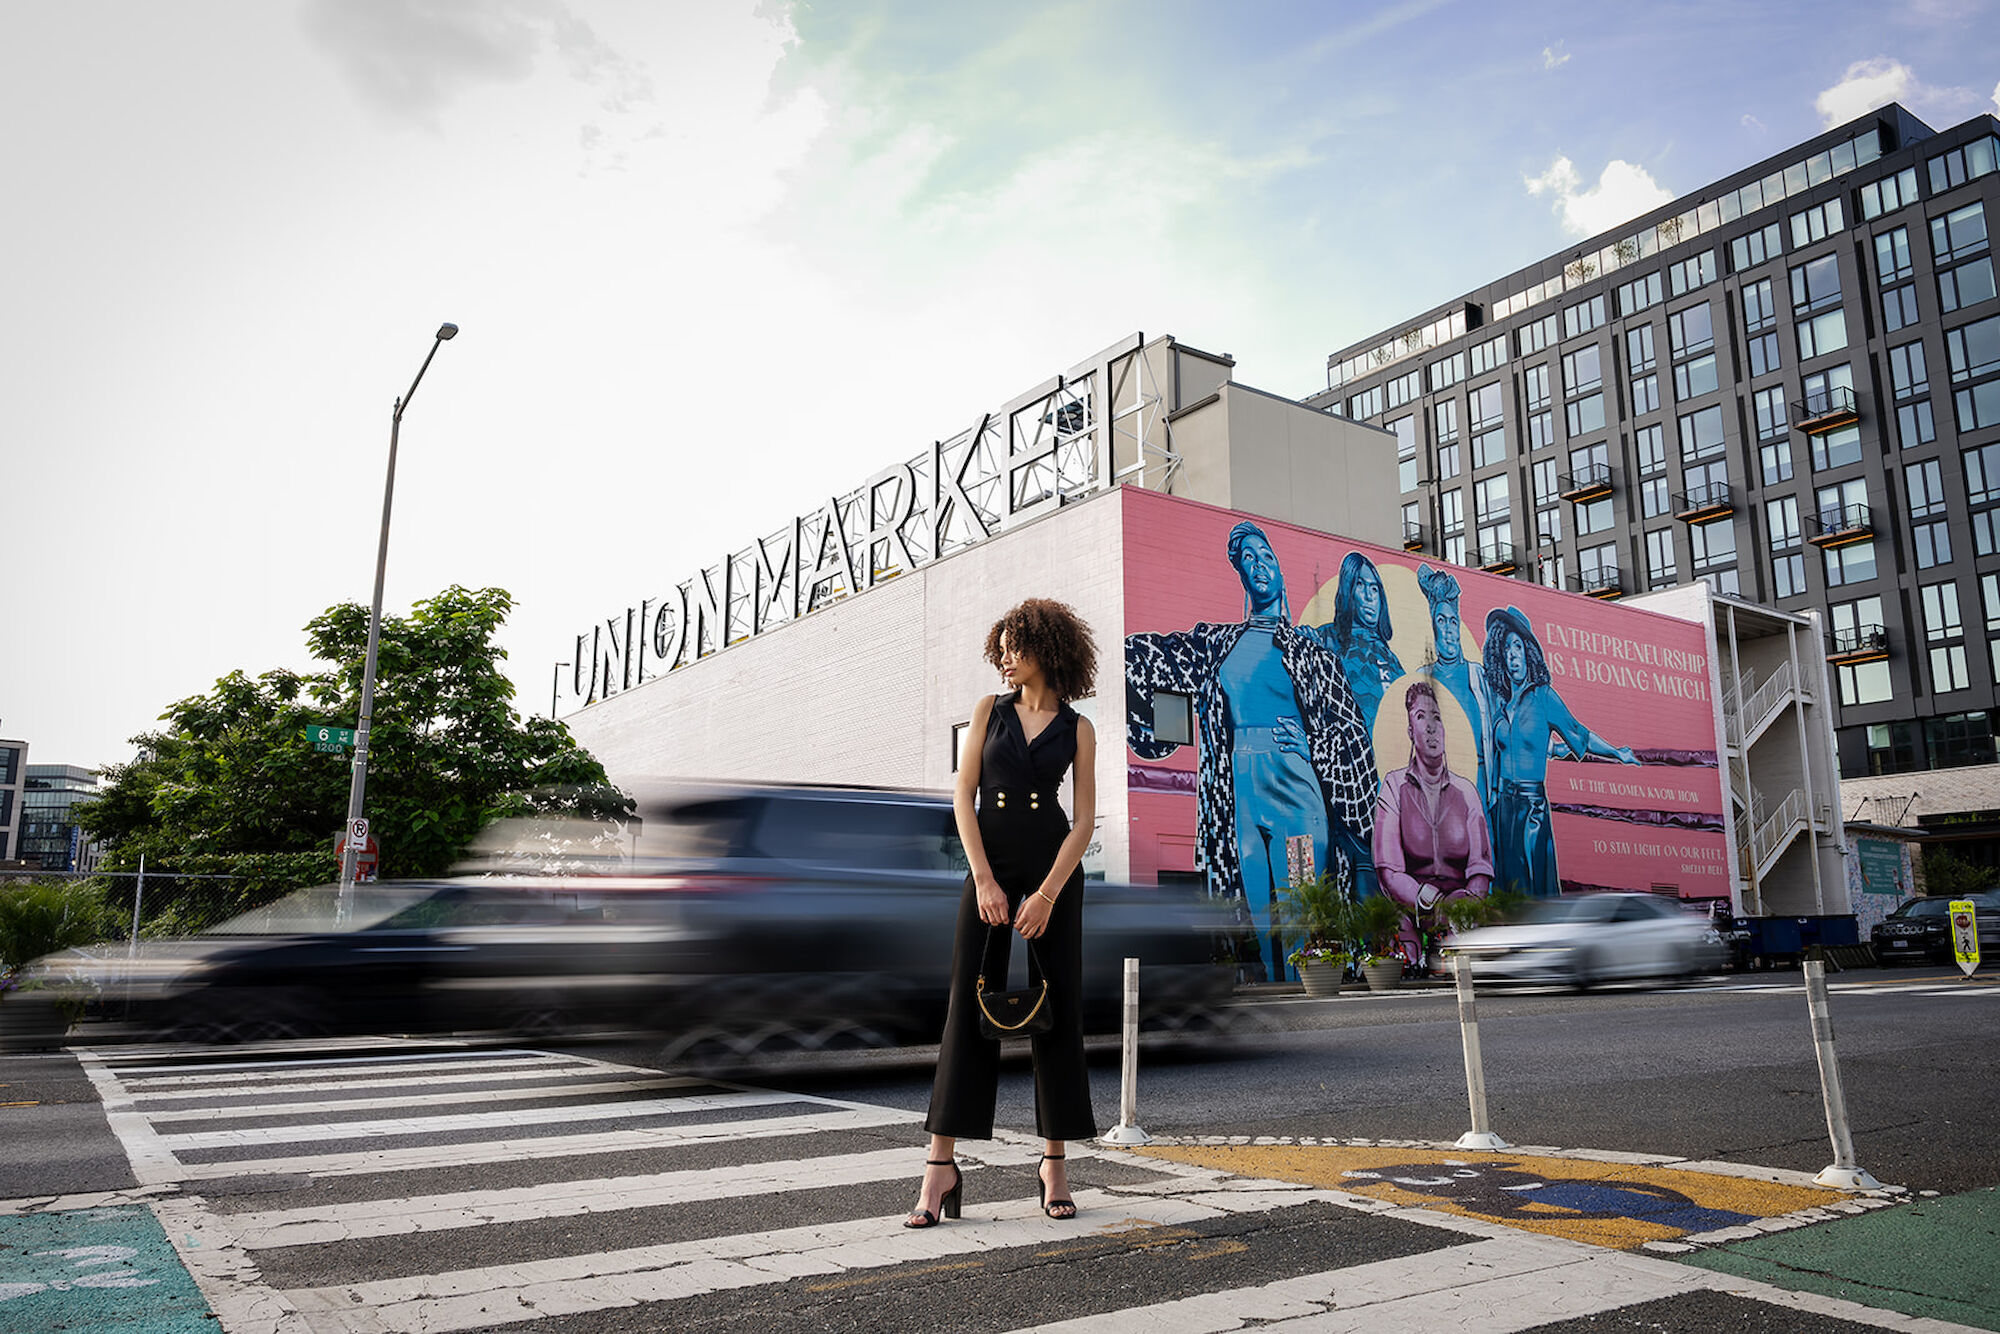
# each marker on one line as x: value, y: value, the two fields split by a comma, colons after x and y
x: 1415, y: 640
x: 1392, y: 729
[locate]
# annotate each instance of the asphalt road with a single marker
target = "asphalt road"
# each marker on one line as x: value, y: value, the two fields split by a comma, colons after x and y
x: 1717, y: 1070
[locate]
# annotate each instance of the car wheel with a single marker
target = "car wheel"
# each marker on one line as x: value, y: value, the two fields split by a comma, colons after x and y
x: 1582, y: 970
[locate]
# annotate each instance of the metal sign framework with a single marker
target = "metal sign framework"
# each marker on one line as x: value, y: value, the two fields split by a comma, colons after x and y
x: 1104, y: 419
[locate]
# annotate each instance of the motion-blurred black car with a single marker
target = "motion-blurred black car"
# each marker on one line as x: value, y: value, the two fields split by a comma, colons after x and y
x: 730, y: 920
x: 1920, y: 930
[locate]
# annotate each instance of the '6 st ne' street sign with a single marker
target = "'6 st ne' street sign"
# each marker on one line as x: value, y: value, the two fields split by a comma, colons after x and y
x: 329, y: 738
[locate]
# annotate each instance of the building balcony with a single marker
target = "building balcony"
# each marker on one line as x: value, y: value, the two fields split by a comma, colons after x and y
x: 1860, y: 643
x: 1413, y: 537
x: 1585, y: 484
x: 1499, y: 558
x: 1602, y: 582
x: 1702, y: 504
x: 1828, y: 410
x: 1839, y: 526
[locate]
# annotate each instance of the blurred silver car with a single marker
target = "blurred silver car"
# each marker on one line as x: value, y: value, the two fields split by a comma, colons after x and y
x: 1587, y: 939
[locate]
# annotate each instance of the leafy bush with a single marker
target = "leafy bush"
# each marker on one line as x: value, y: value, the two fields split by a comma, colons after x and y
x: 42, y: 916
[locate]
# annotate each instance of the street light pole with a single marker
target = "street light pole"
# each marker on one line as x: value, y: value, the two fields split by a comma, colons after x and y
x: 555, y: 689
x: 357, y: 789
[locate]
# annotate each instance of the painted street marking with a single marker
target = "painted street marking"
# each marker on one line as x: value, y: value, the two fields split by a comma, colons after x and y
x: 428, y: 1125
x: 562, y: 1199
x: 94, y: 1268
x: 1619, y: 1204
x: 237, y: 1071
x: 427, y: 1080
x: 231, y: 1111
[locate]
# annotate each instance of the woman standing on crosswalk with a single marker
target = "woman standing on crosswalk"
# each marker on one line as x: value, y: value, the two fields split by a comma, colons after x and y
x: 1027, y: 875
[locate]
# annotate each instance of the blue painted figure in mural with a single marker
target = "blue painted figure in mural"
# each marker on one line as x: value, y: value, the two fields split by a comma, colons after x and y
x: 1283, y: 748
x: 1526, y: 710
x: 1450, y: 668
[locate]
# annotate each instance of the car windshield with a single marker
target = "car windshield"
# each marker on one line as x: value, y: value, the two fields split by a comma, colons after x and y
x: 316, y: 910
x: 1565, y: 910
x: 1921, y: 908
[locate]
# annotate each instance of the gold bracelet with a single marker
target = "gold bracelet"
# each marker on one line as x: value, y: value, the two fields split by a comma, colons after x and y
x: 1044, y: 894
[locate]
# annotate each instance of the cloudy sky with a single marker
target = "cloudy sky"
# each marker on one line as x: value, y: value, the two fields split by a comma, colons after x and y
x: 714, y: 260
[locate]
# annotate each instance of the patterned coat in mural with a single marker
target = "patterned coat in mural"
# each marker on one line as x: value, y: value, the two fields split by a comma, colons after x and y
x: 1343, y: 753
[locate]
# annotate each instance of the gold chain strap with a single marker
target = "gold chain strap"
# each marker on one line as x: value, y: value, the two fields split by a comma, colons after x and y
x: 979, y: 991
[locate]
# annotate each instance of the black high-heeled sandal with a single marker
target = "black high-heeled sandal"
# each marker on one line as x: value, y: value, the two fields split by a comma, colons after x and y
x: 948, y: 1204
x: 1050, y: 1206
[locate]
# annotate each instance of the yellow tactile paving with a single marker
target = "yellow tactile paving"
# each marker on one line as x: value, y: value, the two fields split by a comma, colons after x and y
x: 1606, y: 1204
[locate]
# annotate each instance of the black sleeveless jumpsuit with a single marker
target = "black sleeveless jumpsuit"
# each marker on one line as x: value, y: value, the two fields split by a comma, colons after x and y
x: 1023, y: 828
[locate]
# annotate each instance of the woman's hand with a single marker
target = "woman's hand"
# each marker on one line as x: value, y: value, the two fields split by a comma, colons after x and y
x: 1290, y: 736
x: 1033, y: 917
x: 992, y: 899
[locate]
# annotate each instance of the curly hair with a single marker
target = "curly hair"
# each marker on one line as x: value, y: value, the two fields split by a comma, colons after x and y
x: 1058, y: 639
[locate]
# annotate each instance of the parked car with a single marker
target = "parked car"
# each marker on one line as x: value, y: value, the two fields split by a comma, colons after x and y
x: 728, y: 920
x: 1586, y: 939
x: 1920, y: 930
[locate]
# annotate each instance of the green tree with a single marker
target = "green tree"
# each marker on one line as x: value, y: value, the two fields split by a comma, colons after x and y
x: 231, y: 786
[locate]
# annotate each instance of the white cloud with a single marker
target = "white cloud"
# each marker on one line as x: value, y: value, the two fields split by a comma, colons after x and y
x: 1554, y: 57
x: 1866, y: 85
x: 1623, y: 191
x: 1996, y: 97
x: 1750, y: 122
x: 1869, y: 84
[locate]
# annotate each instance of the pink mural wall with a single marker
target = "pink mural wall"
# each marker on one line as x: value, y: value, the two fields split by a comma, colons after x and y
x: 1590, y: 741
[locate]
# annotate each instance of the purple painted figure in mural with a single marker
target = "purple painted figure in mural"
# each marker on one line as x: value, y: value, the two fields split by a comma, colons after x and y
x: 1431, y: 842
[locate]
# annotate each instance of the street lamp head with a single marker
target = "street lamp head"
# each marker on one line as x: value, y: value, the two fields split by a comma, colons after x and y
x: 447, y: 332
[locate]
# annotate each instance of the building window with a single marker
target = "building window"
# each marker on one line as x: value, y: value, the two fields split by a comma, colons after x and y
x: 1989, y: 596
x: 1690, y: 331
x: 1535, y: 385
x: 1892, y: 256
x: 1451, y: 511
x: 1760, y: 306
x: 1646, y: 393
x: 1489, y: 447
x: 1968, y: 162
x: 1889, y: 194
x: 1749, y: 251
x: 1765, y: 354
x: 1595, y: 517
x: 1974, y: 353
x: 1944, y: 633
x: 1548, y: 485
x: 1788, y: 575
x: 1532, y: 338
x: 1583, y: 370
x: 1444, y: 417
x: 1447, y: 465
x: 1405, y: 389
x: 1448, y: 372
x: 1583, y: 316
x: 1982, y: 487
x: 1649, y: 443
x: 1639, y: 294
x: 1487, y: 407
x: 1822, y: 335
x: 1695, y: 271
x: 1892, y: 748
x: 1660, y: 566
x: 1639, y: 349
x: 1775, y: 457
x: 1957, y: 739
x: 1173, y: 717
x: 1597, y: 566
x: 1585, y: 415
x: 1694, y: 378
x: 958, y: 731
x: 1899, y: 308
x: 1654, y: 498
x: 1851, y: 564
x: 1541, y: 430
x: 1489, y: 355
x: 1549, y: 525
x: 1816, y: 285
x: 1816, y: 223
x: 1701, y: 434
x: 1713, y: 545
x: 1914, y: 424
x: 1454, y: 548
x: 1928, y: 529
x: 1864, y: 683
x: 1405, y: 429
x: 1490, y: 499
x: 1772, y: 414
x: 1366, y: 404
x: 1852, y: 622
x: 1782, y: 517
x: 1966, y: 285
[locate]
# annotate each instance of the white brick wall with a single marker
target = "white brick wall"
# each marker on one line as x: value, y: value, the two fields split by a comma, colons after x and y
x: 867, y: 690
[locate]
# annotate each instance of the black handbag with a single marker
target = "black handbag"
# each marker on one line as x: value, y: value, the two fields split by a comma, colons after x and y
x: 1013, y: 1014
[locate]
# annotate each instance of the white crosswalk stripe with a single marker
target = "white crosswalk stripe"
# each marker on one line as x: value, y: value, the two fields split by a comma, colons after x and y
x: 557, y: 1240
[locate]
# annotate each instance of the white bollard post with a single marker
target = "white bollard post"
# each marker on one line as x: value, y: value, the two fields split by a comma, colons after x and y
x: 138, y: 895
x: 1480, y: 1136
x: 1844, y: 1174
x: 1128, y: 1131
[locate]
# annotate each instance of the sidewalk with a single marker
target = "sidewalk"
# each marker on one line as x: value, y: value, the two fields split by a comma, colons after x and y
x: 1936, y: 1259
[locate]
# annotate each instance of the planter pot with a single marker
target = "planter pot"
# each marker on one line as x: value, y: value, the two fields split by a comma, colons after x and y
x: 1321, y: 976
x: 1383, y: 974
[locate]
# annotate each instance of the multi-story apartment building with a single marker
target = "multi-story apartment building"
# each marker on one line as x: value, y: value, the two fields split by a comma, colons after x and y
x: 50, y: 835
x: 13, y: 775
x: 1785, y: 384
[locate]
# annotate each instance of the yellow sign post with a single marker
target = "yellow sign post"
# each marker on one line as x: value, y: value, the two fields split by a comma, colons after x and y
x: 1965, y: 935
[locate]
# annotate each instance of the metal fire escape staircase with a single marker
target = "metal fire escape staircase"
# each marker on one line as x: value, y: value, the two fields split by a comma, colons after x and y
x: 1763, y: 832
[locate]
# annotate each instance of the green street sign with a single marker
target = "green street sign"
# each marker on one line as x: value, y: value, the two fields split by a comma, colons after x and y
x: 329, y: 740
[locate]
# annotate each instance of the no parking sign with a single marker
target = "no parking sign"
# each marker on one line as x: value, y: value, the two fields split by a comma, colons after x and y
x: 1965, y: 935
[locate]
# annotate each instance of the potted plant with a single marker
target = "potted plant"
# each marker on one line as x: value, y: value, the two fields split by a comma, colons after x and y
x: 1372, y: 923
x: 1315, y: 910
